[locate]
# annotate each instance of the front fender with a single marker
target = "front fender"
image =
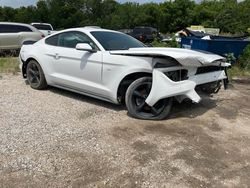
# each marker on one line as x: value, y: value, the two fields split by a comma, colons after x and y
x: 116, y: 82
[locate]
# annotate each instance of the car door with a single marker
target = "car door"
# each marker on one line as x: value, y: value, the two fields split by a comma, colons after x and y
x: 76, y: 69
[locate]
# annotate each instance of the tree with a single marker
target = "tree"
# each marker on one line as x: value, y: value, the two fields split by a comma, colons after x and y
x: 178, y: 14
x: 170, y: 16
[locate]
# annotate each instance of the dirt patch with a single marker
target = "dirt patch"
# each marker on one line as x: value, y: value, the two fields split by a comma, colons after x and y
x: 214, y: 126
x: 145, y: 151
x: 55, y: 138
x: 127, y: 133
x: 90, y: 113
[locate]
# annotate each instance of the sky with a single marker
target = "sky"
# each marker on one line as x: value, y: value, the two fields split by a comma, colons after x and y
x: 141, y: 1
x: 18, y: 3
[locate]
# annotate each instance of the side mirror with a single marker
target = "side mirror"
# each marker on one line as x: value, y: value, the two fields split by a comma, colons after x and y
x: 85, y: 47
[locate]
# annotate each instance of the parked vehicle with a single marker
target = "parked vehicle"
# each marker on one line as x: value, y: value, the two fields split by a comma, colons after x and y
x: 13, y: 35
x: 115, y: 67
x: 145, y: 34
x: 45, y: 28
x: 126, y: 31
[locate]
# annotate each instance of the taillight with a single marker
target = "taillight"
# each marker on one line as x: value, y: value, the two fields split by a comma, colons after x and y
x: 141, y: 38
x: 42, y: 35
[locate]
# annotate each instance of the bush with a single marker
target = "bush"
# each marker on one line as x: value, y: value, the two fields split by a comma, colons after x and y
x: 171, y: 43
x: 236, y: 71
x: 244, y: 60
x: 242, y: 67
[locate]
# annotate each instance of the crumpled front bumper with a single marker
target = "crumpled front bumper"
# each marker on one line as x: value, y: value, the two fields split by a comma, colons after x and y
x: 163, y: 87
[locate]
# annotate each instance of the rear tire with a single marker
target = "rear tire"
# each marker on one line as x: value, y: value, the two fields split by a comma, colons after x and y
x: 136, y: 95
x: 35, y: 76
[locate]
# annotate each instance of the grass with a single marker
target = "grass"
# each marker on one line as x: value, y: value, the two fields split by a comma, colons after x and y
x: 242, y: 66
x: 236, y: 71
x: 9, y: 65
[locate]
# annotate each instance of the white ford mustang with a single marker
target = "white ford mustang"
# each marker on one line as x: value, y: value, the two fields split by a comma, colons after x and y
x: 115, y: 67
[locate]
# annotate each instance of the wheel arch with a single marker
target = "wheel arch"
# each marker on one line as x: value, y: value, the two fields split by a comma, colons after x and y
x: 127, y: 80
x: 28, y: 41
x: 25, y: 63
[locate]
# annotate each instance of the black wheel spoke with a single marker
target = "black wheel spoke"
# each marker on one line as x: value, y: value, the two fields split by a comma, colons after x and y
x: 154, y: 110
x: 34, y: 79
x: 37, y: 73
x: 138, y: 94
x: 32, y: 72
x: 148, y: 88
x: 38, y: 78
x: 33, y: 66
x: 140, y: 107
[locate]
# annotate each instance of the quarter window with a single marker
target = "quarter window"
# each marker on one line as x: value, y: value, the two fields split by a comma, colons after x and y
x: 52, y: 40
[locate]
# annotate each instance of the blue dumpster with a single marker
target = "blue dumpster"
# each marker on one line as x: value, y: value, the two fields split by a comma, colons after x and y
x: 221, y: 46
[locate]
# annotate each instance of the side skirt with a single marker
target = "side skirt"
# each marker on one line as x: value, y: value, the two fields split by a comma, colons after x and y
x: 85, y: 93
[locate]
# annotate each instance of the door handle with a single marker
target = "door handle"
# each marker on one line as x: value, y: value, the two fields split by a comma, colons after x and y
x: 57, y: 56
x: 54, y: 55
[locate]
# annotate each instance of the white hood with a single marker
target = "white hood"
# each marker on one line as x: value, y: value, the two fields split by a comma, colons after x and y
x: 183, y: 56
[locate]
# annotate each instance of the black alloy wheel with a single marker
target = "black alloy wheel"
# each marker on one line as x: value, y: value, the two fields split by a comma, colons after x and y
x: 136, y: 96
x: 35, y: 75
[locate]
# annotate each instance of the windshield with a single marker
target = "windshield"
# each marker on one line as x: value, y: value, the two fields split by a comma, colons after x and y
x: 116, y: 41
x: 43, y: 27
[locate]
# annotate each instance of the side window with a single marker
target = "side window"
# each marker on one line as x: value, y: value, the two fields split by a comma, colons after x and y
x: 43, y: 27
x: 138, y: 31
x: 8, y: 28
x: 71, y: 39
x: 21, y: 28
x: 5, y: 28
x: 52, y: 40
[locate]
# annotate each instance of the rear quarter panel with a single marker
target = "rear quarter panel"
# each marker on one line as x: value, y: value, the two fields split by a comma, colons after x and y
x: 36, y: 52
x: 29, y: 36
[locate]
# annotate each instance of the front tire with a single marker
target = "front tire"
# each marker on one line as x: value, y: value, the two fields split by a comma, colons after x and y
x: 136, y: 95
x: 35, y: 76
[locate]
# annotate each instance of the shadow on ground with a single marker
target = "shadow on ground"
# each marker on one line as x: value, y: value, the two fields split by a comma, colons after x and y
x: 189, y: 109
x: 185, y: 109
x: 84, y: 98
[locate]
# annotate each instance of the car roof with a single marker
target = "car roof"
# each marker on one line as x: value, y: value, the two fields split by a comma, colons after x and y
x: 37, y: 23
x: 40, y: 23
x: 145, y: 27
x: 14, y: 23
x: 89, y: 29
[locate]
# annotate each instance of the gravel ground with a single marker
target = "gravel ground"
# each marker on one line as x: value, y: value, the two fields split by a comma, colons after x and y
x: 55, y: 138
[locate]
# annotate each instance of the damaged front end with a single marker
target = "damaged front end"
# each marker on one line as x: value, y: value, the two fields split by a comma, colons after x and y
x: 183, y: 82
x: 180, y: 72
